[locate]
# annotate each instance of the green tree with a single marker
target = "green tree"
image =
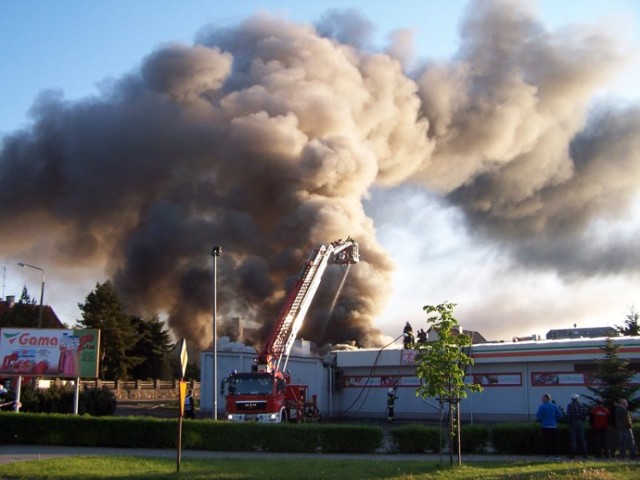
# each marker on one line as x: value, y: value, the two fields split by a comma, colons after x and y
x: 25, y: 298
x: 154, y: 348
x: 193, y: 370
x: 630, y: 326
x: 442, y: 367
x: 103, y: 310
x: 613, y: 377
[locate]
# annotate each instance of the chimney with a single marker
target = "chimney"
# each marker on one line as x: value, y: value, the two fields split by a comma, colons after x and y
x: 238, y: 328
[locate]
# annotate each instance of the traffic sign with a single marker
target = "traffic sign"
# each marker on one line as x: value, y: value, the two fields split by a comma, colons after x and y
x: 184, y: 357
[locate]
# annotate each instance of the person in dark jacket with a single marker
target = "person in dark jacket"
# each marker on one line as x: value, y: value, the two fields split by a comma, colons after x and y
x: 407, y: 336
x: 623, y: 427
x: 189, y: 406
x: 576, y: 416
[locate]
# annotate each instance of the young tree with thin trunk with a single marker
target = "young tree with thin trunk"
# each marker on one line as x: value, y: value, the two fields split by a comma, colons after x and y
x: 442, y: 365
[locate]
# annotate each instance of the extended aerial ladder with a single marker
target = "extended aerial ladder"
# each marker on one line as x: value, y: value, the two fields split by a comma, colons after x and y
x: 266, y: 394
x: 278, y: 345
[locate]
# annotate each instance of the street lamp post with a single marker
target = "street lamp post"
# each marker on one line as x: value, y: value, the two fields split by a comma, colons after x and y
x: 215, y: 253
x: 22, y: 264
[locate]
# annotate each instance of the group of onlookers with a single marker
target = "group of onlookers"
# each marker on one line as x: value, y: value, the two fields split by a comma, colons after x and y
x: 611, y: 430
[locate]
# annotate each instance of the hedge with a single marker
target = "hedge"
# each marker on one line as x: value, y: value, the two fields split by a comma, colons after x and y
x: 60, y: 399
x: 145, y: 432
x: 526, y: 438
x: 417, y: 438
x: 475, y: 438
x: 505, y: 438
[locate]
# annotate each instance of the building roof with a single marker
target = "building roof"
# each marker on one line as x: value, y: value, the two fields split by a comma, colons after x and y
x: 589, y: 332
x: 500, y: 352
x: 49, y: 317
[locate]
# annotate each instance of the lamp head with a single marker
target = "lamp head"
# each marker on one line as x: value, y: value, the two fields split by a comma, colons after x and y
x: 216, y: 252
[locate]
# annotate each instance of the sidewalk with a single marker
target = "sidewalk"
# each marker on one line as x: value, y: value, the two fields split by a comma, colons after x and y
x: 17, y: 453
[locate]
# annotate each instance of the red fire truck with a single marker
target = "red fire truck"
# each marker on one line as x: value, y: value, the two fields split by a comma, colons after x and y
x: 266, y: 394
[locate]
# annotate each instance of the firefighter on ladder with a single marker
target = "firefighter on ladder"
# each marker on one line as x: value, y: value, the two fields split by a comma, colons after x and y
x: 407, y: 336
x: 391, y: 400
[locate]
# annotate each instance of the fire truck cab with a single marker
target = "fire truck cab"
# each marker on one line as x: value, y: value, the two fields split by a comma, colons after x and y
x: 265, y: 397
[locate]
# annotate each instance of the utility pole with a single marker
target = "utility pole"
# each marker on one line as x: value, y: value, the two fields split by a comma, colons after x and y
x: 215, y: 253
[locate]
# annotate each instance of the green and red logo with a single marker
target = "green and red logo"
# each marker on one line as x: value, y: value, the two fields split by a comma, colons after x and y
x: 11, y: 336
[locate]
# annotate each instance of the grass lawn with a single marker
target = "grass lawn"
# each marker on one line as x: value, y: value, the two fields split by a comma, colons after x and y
x: 138, y: 468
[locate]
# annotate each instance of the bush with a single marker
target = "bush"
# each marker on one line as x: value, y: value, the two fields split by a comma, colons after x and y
x: 416, y: 439
x: 97, y: 401
x: 516, y: 438
x: 420, y: 438
x: 474, y: 438
x: 28, y: 398
x: 526, y: 438
x: 350, y: 438
x: 230, y: 437
x: 145, y: 432
x: 56, y: 399
x: 60, y: 399
x: 303, y: 438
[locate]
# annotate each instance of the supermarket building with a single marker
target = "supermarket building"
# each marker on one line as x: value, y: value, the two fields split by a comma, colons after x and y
x: 354, y: 383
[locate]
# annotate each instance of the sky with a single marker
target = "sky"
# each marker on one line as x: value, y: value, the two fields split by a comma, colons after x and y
x: 483, y: 153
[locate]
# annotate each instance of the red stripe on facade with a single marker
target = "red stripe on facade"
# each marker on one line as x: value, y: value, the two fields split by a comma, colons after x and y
x: 534, y: 353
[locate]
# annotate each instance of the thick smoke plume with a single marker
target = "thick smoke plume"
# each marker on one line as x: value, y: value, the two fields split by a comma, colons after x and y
x: 267, y: 137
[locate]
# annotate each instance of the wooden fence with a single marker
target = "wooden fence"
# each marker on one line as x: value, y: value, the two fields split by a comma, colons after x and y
x: 143, y: 389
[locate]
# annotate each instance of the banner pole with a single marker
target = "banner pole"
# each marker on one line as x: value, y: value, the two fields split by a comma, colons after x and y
x: 182, y: 393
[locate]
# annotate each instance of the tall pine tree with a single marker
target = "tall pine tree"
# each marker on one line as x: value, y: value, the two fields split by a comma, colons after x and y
x: 631, y: 326
x: 102, y: 309
x: 613, y: 377
x: 154, y: 347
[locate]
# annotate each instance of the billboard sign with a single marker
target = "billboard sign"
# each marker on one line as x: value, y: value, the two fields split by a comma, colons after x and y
x: 40, y: 352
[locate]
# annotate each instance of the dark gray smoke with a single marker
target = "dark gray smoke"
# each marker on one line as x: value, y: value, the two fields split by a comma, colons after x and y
x: 267, y: 137
x: 520, y: 145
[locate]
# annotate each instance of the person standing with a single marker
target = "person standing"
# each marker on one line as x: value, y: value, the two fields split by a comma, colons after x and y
x: 422, y: 336
x: 189, y: 406
x: 599, y: 425
x: 576, y: 416
x: 623, y: 426
x: 407, y: 334
x: 548, y: 415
